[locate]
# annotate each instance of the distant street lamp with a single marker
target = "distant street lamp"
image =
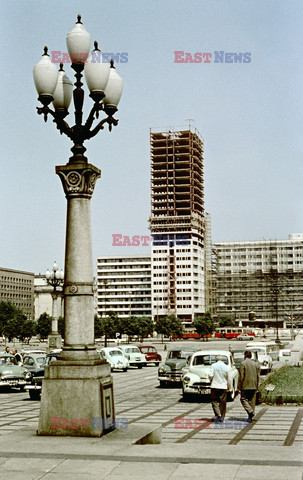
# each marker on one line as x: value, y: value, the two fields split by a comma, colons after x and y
x: 78, y: 385
x: 276, y: 292
x: 55, y: 279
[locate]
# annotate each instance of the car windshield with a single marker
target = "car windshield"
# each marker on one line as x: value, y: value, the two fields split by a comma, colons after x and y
x: 260, y: 350
x: 178, y: 354
x: 132, y: 350
x: 208, y: 359
x: 114, y: 353
x: 238, y: 355
x: 148, y: 349
x: 41, y: 360
x: 8, y: 361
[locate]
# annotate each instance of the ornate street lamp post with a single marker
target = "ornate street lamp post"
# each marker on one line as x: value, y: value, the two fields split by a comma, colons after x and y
x: 55, y: 279
x: 78, y: 387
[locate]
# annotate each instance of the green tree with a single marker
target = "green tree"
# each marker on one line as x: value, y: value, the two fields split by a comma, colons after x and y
x: 225, y: 321
x: 110, y: 325
x: 130, y: 326
x: 145, y: 327
x: 44, y: 326
x: 61, y: 326
x: 12, y: 320
x: 204, y: 325
x: 170, y: 325
x: 99, y: 330
x: 28, y: 330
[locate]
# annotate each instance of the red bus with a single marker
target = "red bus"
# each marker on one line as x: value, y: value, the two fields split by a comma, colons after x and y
x: 232, y: 332
x: 187, y: 335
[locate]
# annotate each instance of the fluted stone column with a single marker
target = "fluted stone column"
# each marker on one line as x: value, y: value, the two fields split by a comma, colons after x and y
x: 77, y: 389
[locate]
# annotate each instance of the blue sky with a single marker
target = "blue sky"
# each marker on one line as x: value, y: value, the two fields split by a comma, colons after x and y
x: 249, y: 114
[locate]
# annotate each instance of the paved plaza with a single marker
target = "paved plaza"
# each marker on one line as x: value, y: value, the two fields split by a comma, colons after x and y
x: 271, y: 448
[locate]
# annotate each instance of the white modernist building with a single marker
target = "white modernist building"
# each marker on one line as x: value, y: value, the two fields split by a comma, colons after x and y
x: 124, y: 285
x: 177, y: 224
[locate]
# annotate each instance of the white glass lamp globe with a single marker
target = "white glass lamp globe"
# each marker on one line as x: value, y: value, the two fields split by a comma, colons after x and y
x: 96, y: 72
x: 78, y: 42
x: 114, y: 87
x: 63, y: 91
x: 45, y: 76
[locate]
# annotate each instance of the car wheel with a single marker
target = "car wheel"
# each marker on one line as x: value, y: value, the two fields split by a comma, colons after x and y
x: 34, y: 394
x: 139, y: 366
x: 162, y: 383
x: 231, y: 394
x: 157, y: 364
x: 124, y: 369
x: 22, y: 388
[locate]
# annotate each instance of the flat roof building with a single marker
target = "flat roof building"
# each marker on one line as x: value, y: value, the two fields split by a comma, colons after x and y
x: 124, y: 285
x: 17, y: 287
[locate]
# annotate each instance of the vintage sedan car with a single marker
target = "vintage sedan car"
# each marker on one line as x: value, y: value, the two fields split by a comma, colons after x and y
x: 11, y: 374
x: 134, y: 356
x: 115, y: 358
x: 34, y: 361
x: 171, y: 371
x: 151, y: 354
x: 35, y: 377
x: 196, y: 380
x: 238, y: 354
x: 245, y: 336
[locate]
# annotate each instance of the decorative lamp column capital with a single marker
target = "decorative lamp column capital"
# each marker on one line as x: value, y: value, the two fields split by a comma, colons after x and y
x: 78, y: 180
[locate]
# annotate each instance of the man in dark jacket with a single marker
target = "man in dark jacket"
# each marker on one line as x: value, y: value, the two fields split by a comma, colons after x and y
x: 249, y: 376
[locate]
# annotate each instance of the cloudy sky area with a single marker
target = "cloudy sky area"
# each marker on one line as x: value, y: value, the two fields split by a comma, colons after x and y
x: 249, y: 114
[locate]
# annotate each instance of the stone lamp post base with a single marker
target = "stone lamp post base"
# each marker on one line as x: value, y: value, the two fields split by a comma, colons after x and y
x: 54, y: 342
x: 77, y: 399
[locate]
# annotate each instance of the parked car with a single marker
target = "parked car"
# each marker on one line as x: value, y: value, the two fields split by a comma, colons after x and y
x: 285, y: 355
x: 238, y: 355
x: 11, y: 374
x: 267, y: 352
x: 151, y: 354
x: 115, y: 358
x: 171, y: 371
x: 134, y: 356
x: 195, y: 379
x: 34, y: 361
x: 35, y: 377
x: 245, y: 336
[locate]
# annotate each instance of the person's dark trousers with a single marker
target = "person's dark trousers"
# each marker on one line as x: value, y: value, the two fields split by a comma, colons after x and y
x: 248, y: 400
x: 218, y: 402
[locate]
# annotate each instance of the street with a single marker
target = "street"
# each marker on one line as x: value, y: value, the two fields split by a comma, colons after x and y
x: 139, y: 399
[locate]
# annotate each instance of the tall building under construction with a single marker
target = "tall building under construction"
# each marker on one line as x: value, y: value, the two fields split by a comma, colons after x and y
x: 177, y: 224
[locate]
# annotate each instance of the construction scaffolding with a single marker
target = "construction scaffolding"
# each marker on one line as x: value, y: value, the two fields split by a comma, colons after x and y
x: 177, y: 212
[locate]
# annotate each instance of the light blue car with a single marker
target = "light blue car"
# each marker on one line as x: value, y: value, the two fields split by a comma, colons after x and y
x: 134, y: 356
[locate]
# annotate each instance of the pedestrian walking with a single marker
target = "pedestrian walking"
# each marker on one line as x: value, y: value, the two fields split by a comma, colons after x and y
x: 17, y: 356
x: 219, y: 375
x: 249, y: 376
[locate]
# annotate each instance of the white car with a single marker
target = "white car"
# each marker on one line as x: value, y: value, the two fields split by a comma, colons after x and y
x: 195, y: 378
x: 115, y: 358
x: 285, y: 355
x: 134, y: 356
x: 245, y: 336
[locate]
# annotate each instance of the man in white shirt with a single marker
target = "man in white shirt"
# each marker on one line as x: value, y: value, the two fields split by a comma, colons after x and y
x: 219, y: 375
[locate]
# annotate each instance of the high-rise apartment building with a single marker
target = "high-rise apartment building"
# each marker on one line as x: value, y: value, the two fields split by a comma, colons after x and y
x: 124, y: 285
x: 177, y: 224
x: 264, y: 277
x: 17, y: 287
